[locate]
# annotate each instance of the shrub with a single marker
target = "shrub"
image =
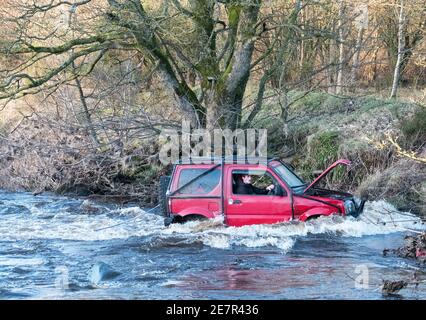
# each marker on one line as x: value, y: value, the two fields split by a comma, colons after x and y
x: 414, y: 128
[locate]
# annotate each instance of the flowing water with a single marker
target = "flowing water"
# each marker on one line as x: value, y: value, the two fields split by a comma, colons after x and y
x: 60, y: 248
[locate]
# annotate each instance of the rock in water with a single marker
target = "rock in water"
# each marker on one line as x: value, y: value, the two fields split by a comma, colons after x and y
x: 414, y: 247
x: 392, y: 287
x: 89, y: 208
x: 101, y: 271
x: 15, y: 209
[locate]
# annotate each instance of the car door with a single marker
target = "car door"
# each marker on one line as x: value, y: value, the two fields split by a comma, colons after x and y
x: 245, y: 209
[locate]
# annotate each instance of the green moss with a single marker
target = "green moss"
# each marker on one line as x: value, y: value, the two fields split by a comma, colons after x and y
x: 222, y: 80
x: 368, y: 103
x: 234, y: 15
x: 103, y: 148
x: 322, y: 150
x: 148, y: 173
x: 315, y: 102
x: 354, y: 146
x: 332, y: 103
x: 2, y: 128
x: 414, y: 128
x: 309, y: 102
x: 141, y: 174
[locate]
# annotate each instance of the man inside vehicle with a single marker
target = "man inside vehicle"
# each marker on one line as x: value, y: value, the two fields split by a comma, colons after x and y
x: 244, y: 186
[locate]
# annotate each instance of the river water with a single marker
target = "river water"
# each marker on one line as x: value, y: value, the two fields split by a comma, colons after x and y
x: 55, y: 247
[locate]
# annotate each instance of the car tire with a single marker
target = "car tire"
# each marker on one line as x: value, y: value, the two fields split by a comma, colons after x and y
x: 312, y: 218
x: 162, y: 189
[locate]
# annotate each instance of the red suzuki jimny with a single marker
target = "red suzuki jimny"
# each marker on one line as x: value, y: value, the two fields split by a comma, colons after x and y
x: 247, y: 193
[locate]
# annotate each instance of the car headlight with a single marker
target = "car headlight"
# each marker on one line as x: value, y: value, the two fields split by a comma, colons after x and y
x: 349, y: 207
x: 357, y: 202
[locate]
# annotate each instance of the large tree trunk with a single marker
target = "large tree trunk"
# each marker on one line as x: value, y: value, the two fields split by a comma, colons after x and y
x: 401, y: 46
x: 225, y: 108
x: 214, y: 109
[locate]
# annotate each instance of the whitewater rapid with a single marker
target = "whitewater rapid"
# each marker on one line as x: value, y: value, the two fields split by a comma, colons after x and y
x: 72, y: 219
x: 103, y: 251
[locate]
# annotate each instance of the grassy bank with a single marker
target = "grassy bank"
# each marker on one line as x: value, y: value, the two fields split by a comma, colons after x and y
x: 322, y: 128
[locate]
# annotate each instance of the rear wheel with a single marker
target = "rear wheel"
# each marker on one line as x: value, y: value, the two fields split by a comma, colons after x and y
x: 311, y: 218
x: 193, y: 217
x: 162, y: 189
x: 178, y: 219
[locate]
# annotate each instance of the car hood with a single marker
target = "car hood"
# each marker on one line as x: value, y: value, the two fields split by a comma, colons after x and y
x: 326, y: 171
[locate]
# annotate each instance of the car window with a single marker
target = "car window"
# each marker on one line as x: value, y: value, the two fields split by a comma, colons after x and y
x: 260, y: 180
x: 290, y: 177
x: 203, y: 185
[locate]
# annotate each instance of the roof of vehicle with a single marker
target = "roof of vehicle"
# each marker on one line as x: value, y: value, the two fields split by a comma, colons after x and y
x: 225, y: 160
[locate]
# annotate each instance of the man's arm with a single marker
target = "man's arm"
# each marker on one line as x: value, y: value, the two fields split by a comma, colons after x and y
x: 242, y: 189
x: 259, y: 190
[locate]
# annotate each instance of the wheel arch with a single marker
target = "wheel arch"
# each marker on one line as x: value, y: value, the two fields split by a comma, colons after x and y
x: 316, y: 213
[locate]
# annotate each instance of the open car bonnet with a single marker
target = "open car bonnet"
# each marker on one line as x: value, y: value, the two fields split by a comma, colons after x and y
x: 326, y: 171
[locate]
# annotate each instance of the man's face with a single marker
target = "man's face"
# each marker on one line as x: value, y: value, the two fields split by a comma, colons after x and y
x: 247, y: 179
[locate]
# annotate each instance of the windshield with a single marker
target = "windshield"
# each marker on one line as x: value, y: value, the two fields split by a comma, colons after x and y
x: 287, y: 175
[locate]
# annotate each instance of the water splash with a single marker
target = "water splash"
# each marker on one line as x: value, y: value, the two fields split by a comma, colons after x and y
x: 283, y: 235
x: 63, y: 218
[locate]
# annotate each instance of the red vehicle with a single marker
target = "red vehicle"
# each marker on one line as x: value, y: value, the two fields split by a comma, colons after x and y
x: 210, y: 190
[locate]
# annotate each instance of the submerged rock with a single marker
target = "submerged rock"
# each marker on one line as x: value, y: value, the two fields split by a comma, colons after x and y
x: 15, y: 209
x: 414, y: 248
x: 393, y: 287
x: 89, y: 208
x: 101, y: 272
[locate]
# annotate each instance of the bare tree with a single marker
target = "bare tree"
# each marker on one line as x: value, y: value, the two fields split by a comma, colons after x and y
x: 401, y: 46
x: 340, y: 75
x: 361, y: 23
x: 221, y: 54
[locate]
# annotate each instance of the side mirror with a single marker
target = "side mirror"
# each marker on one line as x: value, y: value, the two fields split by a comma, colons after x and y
x: 279, y: 192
